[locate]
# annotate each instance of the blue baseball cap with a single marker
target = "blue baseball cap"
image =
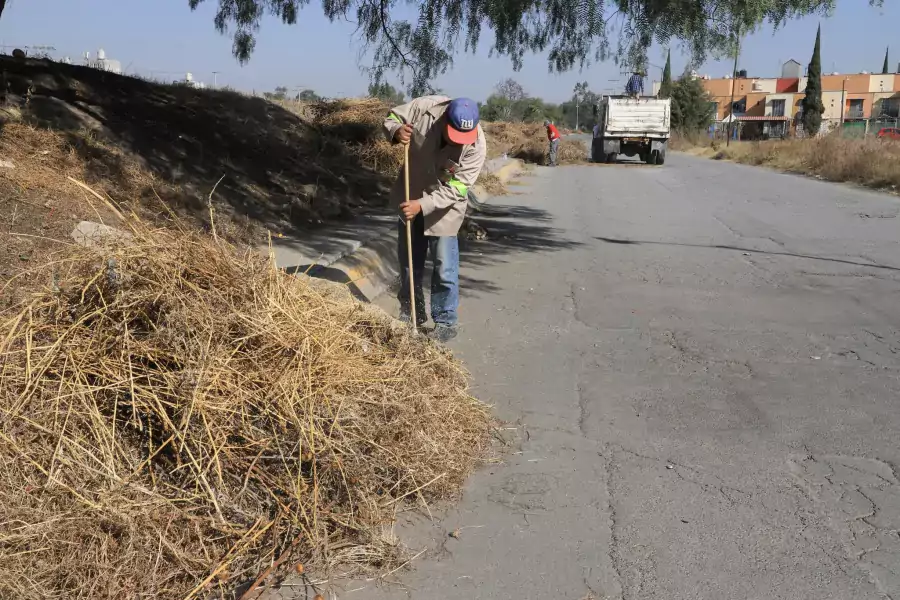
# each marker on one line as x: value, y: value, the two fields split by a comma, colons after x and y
x: 462, y: 121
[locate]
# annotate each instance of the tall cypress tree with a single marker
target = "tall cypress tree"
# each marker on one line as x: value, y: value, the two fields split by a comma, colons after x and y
x: 886, y: 69
x: 665, y: 88
x: 812, y: 101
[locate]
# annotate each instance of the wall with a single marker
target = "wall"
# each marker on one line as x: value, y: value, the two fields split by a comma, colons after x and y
x: 764, y: 86
x: 832, y: 103
x: 791, y: 70
x: 717, y: 87
x: 756, y: 104
x: 881, y: 83
x: 855, y: 84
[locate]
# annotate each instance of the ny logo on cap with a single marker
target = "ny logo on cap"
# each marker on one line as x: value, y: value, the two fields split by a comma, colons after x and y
x: 466, y: 123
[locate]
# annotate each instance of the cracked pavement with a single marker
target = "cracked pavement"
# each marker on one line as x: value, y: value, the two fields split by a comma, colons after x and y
x: 702, y: 385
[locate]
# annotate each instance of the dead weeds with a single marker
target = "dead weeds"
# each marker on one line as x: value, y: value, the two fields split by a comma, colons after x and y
x: 868, y: 162
x: 175, y: 415
x: 528, y: 142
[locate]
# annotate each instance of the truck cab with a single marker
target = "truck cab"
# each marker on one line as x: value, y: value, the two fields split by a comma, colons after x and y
x: 633, y: 126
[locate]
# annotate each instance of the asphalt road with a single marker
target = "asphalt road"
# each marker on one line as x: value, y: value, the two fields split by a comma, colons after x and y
x: 700, y: 367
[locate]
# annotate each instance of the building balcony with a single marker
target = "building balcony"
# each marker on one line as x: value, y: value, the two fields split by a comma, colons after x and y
x: 854, y: 113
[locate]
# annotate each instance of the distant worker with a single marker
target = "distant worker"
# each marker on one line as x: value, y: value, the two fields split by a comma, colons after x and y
x: 635, y: 85
x: 553, y: 136
x: 446, y: 154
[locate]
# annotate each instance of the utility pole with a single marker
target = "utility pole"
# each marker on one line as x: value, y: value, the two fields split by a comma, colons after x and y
x: 737, y: 51
x: 843, y: 101
x: 215, y: 79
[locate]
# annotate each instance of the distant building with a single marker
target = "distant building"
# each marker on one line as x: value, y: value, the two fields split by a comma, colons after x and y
x: 189, y: 81
x: 102, y: 63
x: 771, y: 106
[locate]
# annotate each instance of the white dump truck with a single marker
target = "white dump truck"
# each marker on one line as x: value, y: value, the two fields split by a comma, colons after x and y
x: 633, y: 127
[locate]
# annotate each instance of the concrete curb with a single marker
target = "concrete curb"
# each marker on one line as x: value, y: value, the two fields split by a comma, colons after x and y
x: 371, y: 268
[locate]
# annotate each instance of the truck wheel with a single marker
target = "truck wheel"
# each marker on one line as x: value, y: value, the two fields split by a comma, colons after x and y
x: 644, y: 157
x: 660, y: 157
x: 612, y: 157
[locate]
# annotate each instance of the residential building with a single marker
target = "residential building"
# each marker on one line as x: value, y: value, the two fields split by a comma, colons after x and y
x: 771, y: 106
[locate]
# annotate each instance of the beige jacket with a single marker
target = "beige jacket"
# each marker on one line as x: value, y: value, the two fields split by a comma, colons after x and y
x: 439, y: 174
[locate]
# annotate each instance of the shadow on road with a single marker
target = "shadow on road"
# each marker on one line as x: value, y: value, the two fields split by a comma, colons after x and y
x: 511, y: 230
x: 752, y: 250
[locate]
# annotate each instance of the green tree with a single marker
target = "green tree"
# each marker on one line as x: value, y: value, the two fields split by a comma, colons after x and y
x: 665, y: 86
x: 420, y: 44
x: 496, y: 108
x: 280, y: 93
x: 579, y: 98
x: 692, y: 106
x: 812, y: 102
x: 886, y: 68
x: 385, y: 91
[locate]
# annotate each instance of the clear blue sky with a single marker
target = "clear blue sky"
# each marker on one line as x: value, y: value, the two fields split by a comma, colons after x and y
x: 165, y: 37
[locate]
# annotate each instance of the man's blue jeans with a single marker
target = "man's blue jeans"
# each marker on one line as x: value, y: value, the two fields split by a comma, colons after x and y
x: 444, y: 279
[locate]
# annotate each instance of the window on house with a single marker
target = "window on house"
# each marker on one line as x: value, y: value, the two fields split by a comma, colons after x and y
x: 777, y: 108
x: 890, y: 107
x: 855, y: 108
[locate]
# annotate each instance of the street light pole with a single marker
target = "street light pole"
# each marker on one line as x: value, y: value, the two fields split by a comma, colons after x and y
x: 737, y: 51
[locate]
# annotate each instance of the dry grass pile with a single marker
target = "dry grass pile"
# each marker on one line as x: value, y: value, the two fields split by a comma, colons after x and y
x: 528, y: 142
x: 869, y: 162
x: 43, y: 159
x: 174, y: 416
x: 356, y: 124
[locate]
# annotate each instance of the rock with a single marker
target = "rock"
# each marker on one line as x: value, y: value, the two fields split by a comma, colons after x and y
x: 7, y: 164
x: 88, y: 233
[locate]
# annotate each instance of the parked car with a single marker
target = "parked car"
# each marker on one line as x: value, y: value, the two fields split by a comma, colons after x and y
x: 890, y: 133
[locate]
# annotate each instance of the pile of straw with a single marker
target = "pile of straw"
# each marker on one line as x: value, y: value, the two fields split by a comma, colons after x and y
x: 174, y: 416
x: 357, y: 124
x: 528, y: 142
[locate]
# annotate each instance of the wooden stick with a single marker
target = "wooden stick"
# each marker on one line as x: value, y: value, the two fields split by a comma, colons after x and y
x: 409, y: 252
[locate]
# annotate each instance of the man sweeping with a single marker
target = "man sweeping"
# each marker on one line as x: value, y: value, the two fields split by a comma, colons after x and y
x: 446, y: 154
x: 553, y: 136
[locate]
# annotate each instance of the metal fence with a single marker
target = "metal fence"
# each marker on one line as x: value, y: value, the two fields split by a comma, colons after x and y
x: 857, y: 128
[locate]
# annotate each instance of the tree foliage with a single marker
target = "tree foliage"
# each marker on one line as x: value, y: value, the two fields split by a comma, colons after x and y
x: 530, y: 109
x: 665, y: 86
x: 812, y: 102
x: 280, y: 93
x: 692, y: 106
x: 385, y: 91
x: 510, y: 89
x: 886, y: 68
x: 421, y: 46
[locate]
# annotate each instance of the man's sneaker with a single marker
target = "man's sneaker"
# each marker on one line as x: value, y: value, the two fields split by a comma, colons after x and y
x: 442, y: 333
